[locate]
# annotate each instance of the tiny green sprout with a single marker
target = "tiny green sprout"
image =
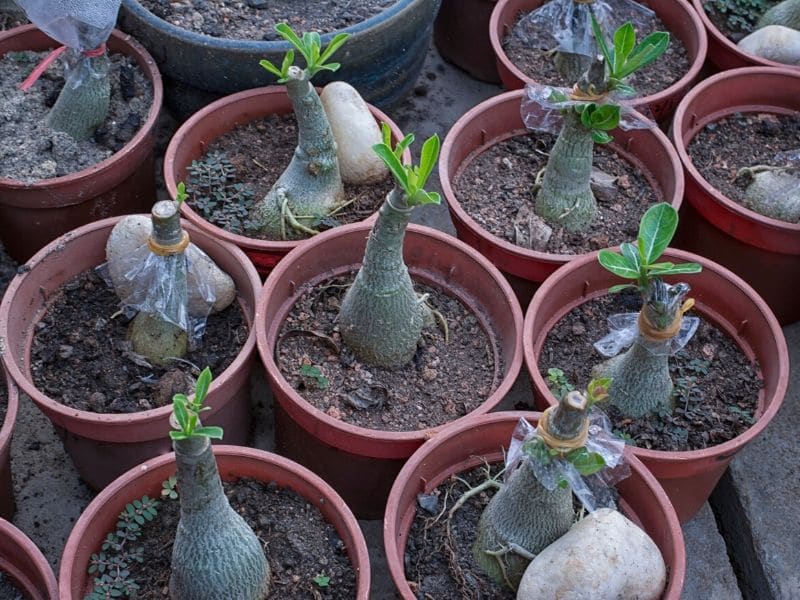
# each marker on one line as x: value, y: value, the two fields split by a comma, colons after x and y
x: 187, y: 413
x: 310, y: 47
x: 409, y: 177
x: 314, y: 373
x: 180, y: 194
x: 558, y: 383
x: 322, y: 580
x: 638, y: 260
x: 168, y: 488
x: 597, y: 390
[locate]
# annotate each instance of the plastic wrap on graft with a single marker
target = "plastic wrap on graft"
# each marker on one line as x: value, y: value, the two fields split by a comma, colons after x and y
x: 625, y: 331
x: 594, y: 491
x: 542, y: 106
x: 565, y: 25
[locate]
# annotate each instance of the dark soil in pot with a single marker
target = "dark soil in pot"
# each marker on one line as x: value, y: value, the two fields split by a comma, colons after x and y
x: 81, y: 357
x: 31, y: 150
x: 722, y: 148
x: 494, y: 185
x: 9, y: 591
x: 241, y: 167
x: 716, y: 386
x: 538, y: 64
x: 444, y: 381
x: 255, y: 19
x: 299, y: 545
x: 738, y: 19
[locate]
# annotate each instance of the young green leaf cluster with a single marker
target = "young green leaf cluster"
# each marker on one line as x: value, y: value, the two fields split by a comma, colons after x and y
x: 310, y: 47
x: 187, y: 413
x: 410, y: 178
x: 599, y: 119
x: 638, y: 261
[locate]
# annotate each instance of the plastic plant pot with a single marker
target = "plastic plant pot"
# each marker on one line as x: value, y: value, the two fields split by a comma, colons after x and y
x: 6, y: 431
x: 723, y: 299
x: 32, y: 214
x: 461, y: 35
x: 361, y: 463
x: 103, y: 446
x: 25, y: 564
x: 464, y: 445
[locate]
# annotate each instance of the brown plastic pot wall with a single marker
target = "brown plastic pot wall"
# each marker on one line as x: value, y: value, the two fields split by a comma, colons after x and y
x: 33, y: 214
x: 721, y: 298
x: 677, y: 15
x: 234, y: 463
x: 467, y: 444
x: 6, y: 431
x: 103, y: 446
x: 498, y: 119
x: 765, y: 252
x: 461, y: 35
x: 361, y: 463
x: 723, y: 52
x: 194, y: 137
x: 25, y: 564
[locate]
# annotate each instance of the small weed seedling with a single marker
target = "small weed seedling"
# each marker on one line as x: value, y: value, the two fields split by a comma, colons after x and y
x: 169, y: 488
x: 314, y: 374
x: 557, y: 382
x: 216, y: 195
x: 322, y: 580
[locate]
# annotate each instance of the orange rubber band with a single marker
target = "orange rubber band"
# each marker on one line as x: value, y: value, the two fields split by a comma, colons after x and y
x: 171, y: 249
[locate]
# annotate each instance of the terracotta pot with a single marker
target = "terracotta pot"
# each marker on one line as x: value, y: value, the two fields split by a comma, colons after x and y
x: 461, y: 35
x: 194, y: 137
x: 678, y: 16
x: 382, y: 58
x: 465, y: 445
x: 234, y: 463
x: 25, y: 564
x: 723, y: 52
x: 103, y: 446
x: 6, y: 430
x: 33, y: 214
x: 765, y: 252
x: 498, y: 119
x: 721, y: 298
x: 336, y: 449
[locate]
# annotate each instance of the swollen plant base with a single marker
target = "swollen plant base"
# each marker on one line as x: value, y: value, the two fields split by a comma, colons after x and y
x: 79, y: 111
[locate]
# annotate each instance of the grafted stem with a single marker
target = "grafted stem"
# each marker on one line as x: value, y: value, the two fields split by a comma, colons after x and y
x: 82, y: 105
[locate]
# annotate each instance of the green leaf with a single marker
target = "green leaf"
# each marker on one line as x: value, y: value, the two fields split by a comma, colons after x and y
x: 322, y: 580
x: 422, y: 197
x: 202, y: 385
x: 601, y: 137
x: 211, y: 432
x: 394, y: 165
x: 401, y: 145
x: 586, y: 462
x: 605, y: 117
x: 618, y: 264
x: 270, y: 67
x: 600, y: 38
x: 656, y: 229
x: 427, y: 159
x: 181, y: 415
x: 289, y: 35
x: 624, y: 42
x: 328, y: 67
x: 335, y: 44
x: 650, y: 48
x: 288, y: 61
x: 178, y: 435
x: 682, y: 269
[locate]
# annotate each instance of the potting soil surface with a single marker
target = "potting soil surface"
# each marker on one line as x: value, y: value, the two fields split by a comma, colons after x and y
x: 444, y: 381
x: 716, y: 386
x: 241, y: 167
x: 256, y: 19
x: 722, y: 148
x: 736, y: 19
x: 496, y: 184
x: 31, y: 150
x: 300, y: 545
x: 9, y: 591
x: 537, y: 63
x: 82, y: 358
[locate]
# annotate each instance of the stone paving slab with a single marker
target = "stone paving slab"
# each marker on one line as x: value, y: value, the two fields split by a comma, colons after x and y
x: 756, y: 501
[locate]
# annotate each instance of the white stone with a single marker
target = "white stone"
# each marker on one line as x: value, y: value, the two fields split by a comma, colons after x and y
x: 602, y: 557
x: 773, y: 42
x: 131, y: 232
x: 355, y: 131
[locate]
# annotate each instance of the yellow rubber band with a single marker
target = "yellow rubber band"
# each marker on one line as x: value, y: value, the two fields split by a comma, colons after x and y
x: 578, y: 95
x: 171, y: 249
x: 562, y: 446
x: 649, y: 331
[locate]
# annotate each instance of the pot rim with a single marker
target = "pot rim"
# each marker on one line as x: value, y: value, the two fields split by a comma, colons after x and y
x: 136, y: 419
x: 265, y: 348
x: 31, y: 552
x: 728, y: 448
x: 726, y: 43
x: 404, y: 478
x: 264, y: 46
x: 207, y: 113
x: 359, y: 561
x: 682, y: 139
x: 683, y: 83
x: 445, y: 179
x: 12, y: 407
x: 150, y: 70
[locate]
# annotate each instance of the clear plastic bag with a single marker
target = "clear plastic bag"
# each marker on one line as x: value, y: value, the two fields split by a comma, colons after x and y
x: 565, y: 25
x: 625, y: 331
x: 594, y: 491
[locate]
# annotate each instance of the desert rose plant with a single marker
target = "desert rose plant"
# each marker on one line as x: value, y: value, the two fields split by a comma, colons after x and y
x: 641, y: 383
x: 382, y: 317
x: 215, y: 554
